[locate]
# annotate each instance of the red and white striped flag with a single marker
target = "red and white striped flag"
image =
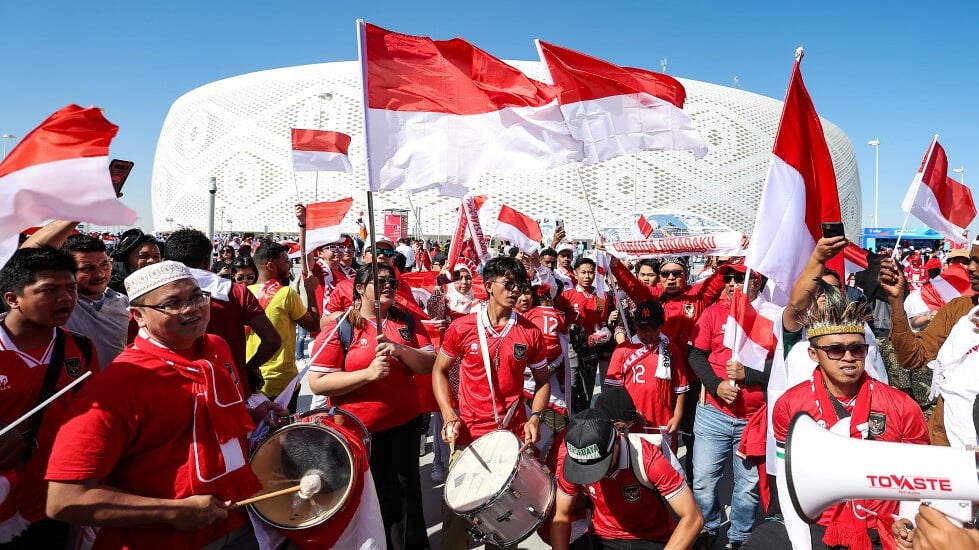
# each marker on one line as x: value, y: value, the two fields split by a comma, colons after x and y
x: 642, y: 228
x: 617, y: 110
x: 441, y: 113
x: 323, y: 221
x: 320, y: 151
x: 293, y: 247
x: 521, y: 230
x: 748, y: 334
x: 951, y: 283
x: 60, y: 170
x: 854, y: 260
x: 800, y: 193
x: 939, y: 201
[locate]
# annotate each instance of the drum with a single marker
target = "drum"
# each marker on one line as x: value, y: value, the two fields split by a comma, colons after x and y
x: 505, y: 494
x: 311, y: 442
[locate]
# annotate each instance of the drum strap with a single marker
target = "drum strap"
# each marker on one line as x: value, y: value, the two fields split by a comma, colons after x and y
x: 484, y: 348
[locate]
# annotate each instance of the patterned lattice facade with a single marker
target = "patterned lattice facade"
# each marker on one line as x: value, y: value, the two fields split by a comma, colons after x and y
x: 238, y: 130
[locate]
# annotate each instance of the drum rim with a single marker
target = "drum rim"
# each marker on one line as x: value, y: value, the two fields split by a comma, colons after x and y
x: 495, y: 496
x: 353, y: 475
x: 547, y: 512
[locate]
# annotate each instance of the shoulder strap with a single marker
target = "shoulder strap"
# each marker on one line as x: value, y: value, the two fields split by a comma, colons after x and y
x: 345, y: 332
x: 47, y: 386
x: 84, y: 344
x: 636, y: 459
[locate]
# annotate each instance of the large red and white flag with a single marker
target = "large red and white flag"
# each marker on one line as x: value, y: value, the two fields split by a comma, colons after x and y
x: 748, y: 334
x: 521, y: 230
x: 440, y: 113
x: 643, y: 228
x: 60, y: 171
x: 939, y: 201
x: 323, y: 221
x: 800, y: 193
x: 617, y: 110
x: 320, y: 151
x: 951, y: 283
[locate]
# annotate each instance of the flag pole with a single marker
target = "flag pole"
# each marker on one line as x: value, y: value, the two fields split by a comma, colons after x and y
x: 362, y: 57
x: 584, y: 192
x: 915, y: 186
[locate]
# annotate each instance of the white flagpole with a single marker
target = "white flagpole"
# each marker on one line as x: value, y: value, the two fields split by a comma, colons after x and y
x: 45, y: 403
x: 584, y: 193
x: 362, y: 56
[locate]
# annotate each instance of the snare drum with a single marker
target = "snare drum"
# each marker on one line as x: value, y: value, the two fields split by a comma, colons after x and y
x: 311, y: 442
x: 505, y: 494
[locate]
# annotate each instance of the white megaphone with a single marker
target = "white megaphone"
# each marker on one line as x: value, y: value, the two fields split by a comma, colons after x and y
x: 823, y: 469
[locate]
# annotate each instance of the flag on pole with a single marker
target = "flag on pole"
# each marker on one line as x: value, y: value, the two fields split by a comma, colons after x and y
x: 616, y: 110
x: 60, y: 171
x: 320, y: 151
x: 519, y: 229
x: 800, y: 193
x: 323, y: 221
x: 753, y: 333
x: 939, y: 201
x: 642, y: 228
x: 951, y: 283
x: 439, y: 113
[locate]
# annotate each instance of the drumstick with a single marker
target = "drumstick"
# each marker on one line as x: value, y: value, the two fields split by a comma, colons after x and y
x: 309, y: 485
x: 525, y: 446
x: 480, y: 459
x: 266, y: 496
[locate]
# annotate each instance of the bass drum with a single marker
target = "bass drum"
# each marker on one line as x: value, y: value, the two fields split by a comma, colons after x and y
x: 310, y: 443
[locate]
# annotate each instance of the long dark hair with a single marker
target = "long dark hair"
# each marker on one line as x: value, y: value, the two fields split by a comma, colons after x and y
x: 365, y: 276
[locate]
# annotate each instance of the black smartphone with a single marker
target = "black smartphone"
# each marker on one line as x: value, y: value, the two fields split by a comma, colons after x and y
x: 832, y: 229
x: 119, y: 171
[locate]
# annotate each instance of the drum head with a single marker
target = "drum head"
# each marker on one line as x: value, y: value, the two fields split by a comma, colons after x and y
x: 285, y: 457
x: 482, y: 471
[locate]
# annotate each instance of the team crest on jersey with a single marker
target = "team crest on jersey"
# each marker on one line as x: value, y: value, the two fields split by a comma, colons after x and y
x: 519, y: 351
x: 73, y: 366
x: 688, y: 310
x: 474, y: 348
x: 631, y: 493
x: 363, y: 342
x: 405, y: 334
x: 876, y: 424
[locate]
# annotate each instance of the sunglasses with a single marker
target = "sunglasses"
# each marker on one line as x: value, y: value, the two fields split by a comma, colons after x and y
x: 736, y: 278
x: 387, y: 282
x: 667, y: 273
x: 511, y: 285
x: 837, y: 351
x: 338, y: 248
x: 383, y: 252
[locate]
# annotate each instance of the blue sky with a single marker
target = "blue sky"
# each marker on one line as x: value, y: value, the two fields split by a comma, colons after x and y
x: 902, y: 73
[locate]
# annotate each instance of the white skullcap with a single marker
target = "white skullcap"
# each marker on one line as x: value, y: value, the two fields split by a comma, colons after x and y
x: 565, y: 246
x: 154, y: 276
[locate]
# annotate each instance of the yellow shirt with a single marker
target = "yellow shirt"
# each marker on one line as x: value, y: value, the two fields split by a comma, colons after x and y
x: 283, y: 311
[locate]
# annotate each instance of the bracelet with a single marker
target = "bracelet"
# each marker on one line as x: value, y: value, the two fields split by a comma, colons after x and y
x: 302, y: 225
x: 538, y: 414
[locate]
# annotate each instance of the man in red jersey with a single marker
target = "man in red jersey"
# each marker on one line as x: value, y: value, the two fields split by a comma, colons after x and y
x: 155, y: 447
x: 512, y: 344
x: 587, y: 317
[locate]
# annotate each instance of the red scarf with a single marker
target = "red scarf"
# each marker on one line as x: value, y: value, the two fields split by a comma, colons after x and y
x: 849, y: 526
x: 217, y: 457
x: 267, y: 291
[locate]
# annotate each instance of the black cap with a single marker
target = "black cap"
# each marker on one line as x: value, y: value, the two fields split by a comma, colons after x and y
x: 617, y: 404
x: 589, y: 442
x: 650, y: 312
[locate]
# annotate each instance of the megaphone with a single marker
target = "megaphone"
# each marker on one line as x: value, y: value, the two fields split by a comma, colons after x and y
x: 823, y: 469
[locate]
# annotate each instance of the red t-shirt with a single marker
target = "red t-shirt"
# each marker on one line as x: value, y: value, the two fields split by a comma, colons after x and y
x: 654, y: 397
x: 624, y: 508
x: 21, y: 377
x: 512, y: 348
x: 586, y: 309
x: 551, y: 323
x: 132, y: 428
x: 228, y: 320
x: 385, y: 403
x: 904, y: 423
x: 708, y: 335
x: 327, y: 283
x: 341, y: 297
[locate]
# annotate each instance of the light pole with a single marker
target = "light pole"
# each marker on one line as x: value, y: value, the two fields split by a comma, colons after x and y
x: 213, y: 190
x: 221, y: 217
x: 875, y: 143
x: 169, y: 221
x: 5, y: 138
x: 325, y: 96
x: 961, y: 172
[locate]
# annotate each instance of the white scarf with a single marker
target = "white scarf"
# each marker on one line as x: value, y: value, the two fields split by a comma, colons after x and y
x: 458, y: 302
x: 956, y: 379
x: 663, y: 360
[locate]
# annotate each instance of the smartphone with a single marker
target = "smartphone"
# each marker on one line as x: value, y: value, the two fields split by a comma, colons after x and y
x: 119, y: 171
x: 832, y: 229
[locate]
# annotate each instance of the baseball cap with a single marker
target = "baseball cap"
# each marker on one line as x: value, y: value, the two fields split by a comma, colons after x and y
x: 616, y: 402
x: 589, y: 442
x: 957, y: 253
x: 650, y: 312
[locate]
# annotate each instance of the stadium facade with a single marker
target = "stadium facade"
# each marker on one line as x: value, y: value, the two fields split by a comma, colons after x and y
x: 237, y: 130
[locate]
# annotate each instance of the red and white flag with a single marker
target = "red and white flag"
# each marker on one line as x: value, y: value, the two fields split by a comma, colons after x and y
x: 951, y: 283
x: 60, y: 171
x: 800, y: 193
x: 320, y: 151
x: 439, y: 113
x: 939, y: 201
x: 521, y: 230
x: 616, y: 110
x: 643, y: 228
x: 323, y: 221
x: 854, y: 260
x: 293, y: 247
x: 748, y: 334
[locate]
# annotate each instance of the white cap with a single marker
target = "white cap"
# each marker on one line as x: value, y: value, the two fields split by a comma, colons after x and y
x: 154, y: 276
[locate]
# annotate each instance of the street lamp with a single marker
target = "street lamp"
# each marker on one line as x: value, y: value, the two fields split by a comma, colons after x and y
x: 875, y: 143
x: 325, y: 96
x: 5, y: 138
x: 961, y: 172
x: 169, y: 221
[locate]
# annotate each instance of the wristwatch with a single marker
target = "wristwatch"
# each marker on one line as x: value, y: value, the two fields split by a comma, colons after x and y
x: 538, y: 414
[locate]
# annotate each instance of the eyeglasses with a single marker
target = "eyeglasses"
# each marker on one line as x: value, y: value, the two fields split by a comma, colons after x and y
x: 382, y: 252
x: 337, y: 248
x: 666, y: 274
x: 176, y: 307
x: 511, y: 285
x: 837, y: 351
x: 736, y: 278
x: 243, y: 278
x: 387, y: 282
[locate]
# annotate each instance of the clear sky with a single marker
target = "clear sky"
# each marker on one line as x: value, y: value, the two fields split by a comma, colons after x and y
x: 897, y: 71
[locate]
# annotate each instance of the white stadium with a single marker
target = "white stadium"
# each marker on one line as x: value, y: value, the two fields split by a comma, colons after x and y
x: 238, y: 131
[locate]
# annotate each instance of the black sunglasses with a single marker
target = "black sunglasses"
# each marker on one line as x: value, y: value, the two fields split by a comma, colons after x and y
x: 837, y: 351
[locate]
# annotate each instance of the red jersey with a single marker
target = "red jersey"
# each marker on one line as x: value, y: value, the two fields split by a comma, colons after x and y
x: 132, y: 428
x: 586, y: 309
x: 228, y: 320
x: 708, y: 335
x: 624, y: 508
x: 635, y: 366
x: 385, y: 403
x: 512, y: 348
x: 551, y: 323
x: 328, y: 279
x: 902, y: 421
x: 21, y: 377
x: 341, y: 297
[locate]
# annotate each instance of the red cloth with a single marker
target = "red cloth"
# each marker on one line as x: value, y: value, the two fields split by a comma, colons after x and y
x: 754, y: 439
x: 586, y: 310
